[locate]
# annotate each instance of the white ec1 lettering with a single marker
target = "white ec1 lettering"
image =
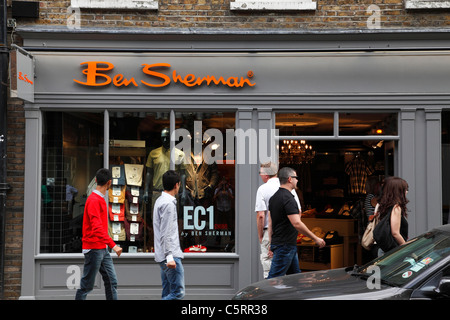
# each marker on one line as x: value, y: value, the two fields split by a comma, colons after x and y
x: 198, y: 224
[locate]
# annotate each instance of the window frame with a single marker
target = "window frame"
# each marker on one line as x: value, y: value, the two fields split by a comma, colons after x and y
x: 106, y: 137
x: 336, y: 135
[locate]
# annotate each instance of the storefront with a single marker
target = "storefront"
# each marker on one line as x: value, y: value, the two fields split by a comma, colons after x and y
x: 117, y: 108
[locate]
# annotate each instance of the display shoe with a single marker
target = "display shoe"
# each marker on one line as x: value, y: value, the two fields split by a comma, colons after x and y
x: 195, y: 248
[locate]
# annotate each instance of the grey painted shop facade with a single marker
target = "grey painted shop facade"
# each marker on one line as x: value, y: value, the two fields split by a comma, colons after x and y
x: 309, y: 74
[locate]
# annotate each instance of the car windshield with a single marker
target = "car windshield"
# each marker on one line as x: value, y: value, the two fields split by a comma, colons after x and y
x: 406, y: 262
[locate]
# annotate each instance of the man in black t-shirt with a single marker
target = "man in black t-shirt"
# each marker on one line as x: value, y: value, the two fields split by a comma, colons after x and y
x: 286, y: 224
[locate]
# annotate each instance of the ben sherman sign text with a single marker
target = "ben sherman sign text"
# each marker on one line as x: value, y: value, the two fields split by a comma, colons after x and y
x: 98, y: 74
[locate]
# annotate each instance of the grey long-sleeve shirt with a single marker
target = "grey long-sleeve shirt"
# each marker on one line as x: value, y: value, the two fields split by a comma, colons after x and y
x: 165, y: 228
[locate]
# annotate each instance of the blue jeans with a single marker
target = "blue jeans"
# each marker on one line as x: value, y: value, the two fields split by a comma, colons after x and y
x: 172, y: 281
x: 284, y: 261
x: 98, y: 260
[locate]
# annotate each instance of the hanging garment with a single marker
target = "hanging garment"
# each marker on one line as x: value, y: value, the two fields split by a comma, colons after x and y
x: 116, y: 211
x: 133, y: 173
x: 358, y: 171
x: 118, y: 175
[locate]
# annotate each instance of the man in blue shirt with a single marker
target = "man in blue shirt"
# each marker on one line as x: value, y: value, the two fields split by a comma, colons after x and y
x: 167, y: 243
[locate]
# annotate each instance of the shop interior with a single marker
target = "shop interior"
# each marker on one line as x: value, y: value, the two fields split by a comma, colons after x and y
x: 335, y: 177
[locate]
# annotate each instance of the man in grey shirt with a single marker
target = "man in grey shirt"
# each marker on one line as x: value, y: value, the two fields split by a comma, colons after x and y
x: 167, y: 243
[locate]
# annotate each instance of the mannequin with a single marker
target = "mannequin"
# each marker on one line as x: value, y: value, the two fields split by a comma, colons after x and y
x: 158, y: 162
x: 201, y: 181
x: 202, y: 176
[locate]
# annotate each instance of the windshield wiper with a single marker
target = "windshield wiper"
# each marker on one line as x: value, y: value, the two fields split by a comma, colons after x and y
x: 360, y: 275
x: 389, y: 283
x: 354, y: 270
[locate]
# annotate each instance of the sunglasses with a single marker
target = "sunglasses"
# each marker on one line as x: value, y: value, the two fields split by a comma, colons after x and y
x: 296, y: 177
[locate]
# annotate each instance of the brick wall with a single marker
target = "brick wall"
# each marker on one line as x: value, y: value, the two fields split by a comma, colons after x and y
x: 14, y: 201
x: 330, y: 14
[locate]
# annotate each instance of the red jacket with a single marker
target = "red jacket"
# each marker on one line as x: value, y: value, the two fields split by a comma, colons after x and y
x: 95, y: 224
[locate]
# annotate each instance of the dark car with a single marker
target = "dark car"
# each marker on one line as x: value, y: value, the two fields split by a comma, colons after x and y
x: 419, y: 269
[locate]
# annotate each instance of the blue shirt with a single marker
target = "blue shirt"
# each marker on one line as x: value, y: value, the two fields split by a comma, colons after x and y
x: 165, y: 228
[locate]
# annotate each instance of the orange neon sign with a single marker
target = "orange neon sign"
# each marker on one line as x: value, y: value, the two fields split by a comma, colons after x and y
x: 96, y: 76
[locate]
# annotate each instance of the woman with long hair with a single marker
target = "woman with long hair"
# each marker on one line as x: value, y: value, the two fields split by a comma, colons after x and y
x: 393, y: 200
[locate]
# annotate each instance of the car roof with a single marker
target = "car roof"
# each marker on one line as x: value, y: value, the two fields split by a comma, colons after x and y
x: 445, y: 228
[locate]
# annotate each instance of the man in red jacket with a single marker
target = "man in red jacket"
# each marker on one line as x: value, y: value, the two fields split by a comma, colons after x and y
x: 96, y: 241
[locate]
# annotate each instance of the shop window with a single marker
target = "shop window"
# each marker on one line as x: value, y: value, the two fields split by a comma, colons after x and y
x: 362, y: 124
x: 349, y: 124
x: 337, y: 172
x: 138, y: 150
x: 207, y: 206
x: 304, y: 124
x: 336, y: 190
x: 72, y: 153
x: 140, y: 145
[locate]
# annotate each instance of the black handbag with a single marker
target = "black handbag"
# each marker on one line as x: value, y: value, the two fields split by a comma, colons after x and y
x: 382, y: 234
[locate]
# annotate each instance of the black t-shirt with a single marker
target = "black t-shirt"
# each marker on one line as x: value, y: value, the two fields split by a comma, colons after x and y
x: 281, y: 205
